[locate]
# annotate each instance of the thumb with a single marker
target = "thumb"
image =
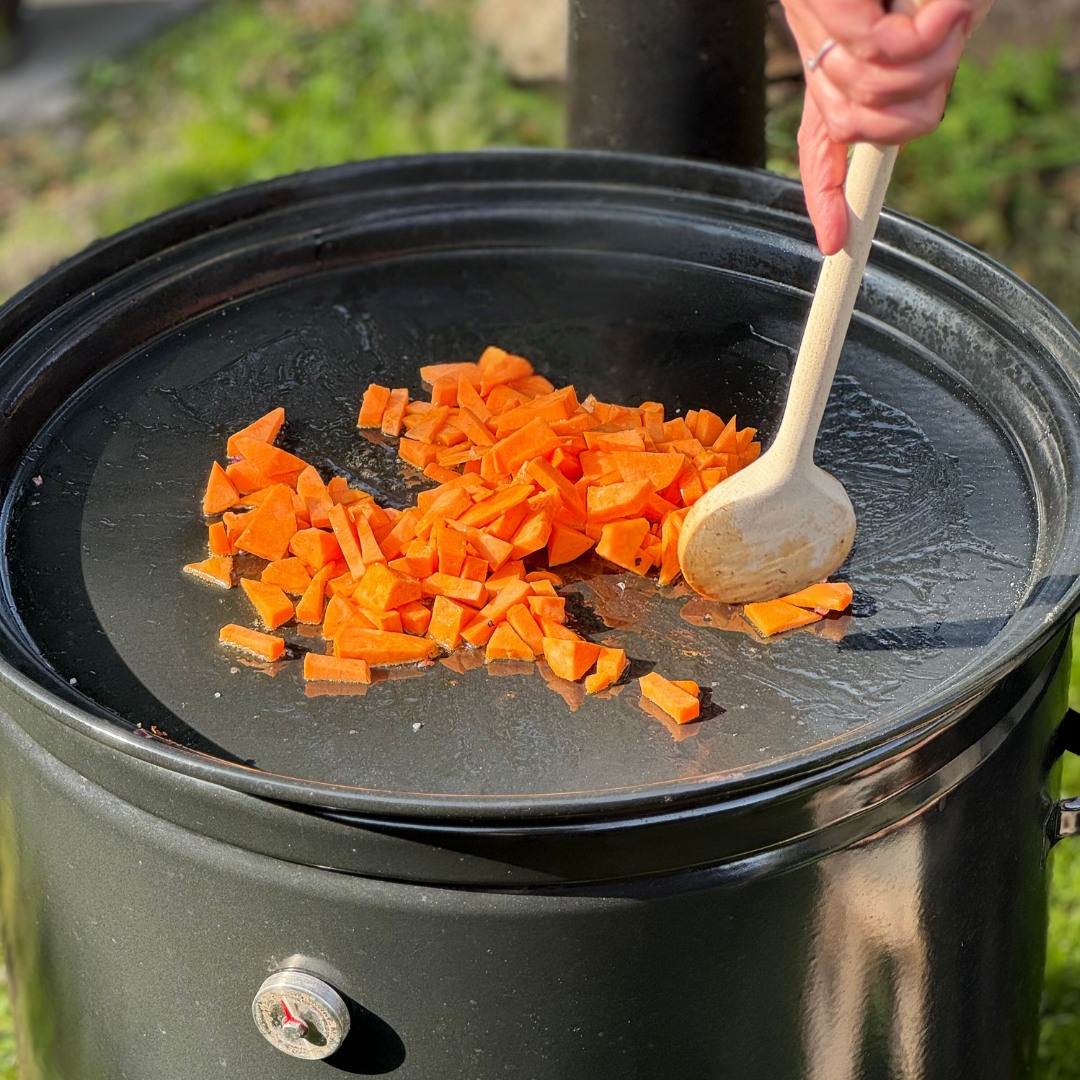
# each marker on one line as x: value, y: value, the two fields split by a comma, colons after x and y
x: 823, y: 165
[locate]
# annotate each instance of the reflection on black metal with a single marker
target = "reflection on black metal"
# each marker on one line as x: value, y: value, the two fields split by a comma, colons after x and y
x: 869, y: 960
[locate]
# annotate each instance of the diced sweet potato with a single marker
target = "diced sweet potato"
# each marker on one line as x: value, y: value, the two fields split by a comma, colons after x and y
x: 370, y: 552
x: 316, y: 547
x: 498, y: 367
x: 290, y: 575
x: 533, y: 534
x: 383, y: 589
x: 514, y: 570
x: 613, y: 502
x: 468, y: 371
x: 674, y: 700
x: 278, y: 465
x: 378, y: 620
x: 415, y: 618
x: 548, y: 607
x: 265, y: 429
x: 264, y: 646
x: 270, y: 528
x: 504, y: 644
x: 474, y: 568
x: 245, y: 477
x: 566, y: 544
x: 376, y: 398
x: 271, y: 603
x: 218, y: 539
x: 526, y: 627
x: 620, y: 542
x: 553, y: 629
x: 570, y: 659
x: 473, y: 593
x: 339, y: 611
x: 495, y: 505
x: 419, y: 560
x: 394, y: 412
x: 417, y: 454
x: 776, y: 616
x: 221, y: 493
x: 321, y: 668
x: 348, y: 541
x: 610, y: 665
x: 312, y: 605
x: 670, y: 567
x: 381, y: 648
x: 478, y: 632
x: 826, y: 596
x: 451, y: 546
x: 217, y: 570
x: 534, y: 440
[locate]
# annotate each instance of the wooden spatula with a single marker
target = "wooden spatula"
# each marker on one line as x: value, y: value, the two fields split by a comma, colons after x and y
x: 782, y: 523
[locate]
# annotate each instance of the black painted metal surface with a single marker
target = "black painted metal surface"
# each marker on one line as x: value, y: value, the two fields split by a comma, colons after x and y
x: 608, y: 275
x: 846, y: 877
x: 678, y: 77
x: 136, y: 944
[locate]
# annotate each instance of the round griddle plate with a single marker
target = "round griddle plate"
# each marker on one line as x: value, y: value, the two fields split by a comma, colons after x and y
x: 107, y: 510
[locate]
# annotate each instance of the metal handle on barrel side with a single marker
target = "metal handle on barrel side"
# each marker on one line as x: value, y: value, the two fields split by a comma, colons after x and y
x: 1067, y: 814
x: 1065, y: 817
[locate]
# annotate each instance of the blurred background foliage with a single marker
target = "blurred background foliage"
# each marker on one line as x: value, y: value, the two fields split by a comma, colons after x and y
x: 1002, y: 172
x: 247, y: 90
x: 250, y: 89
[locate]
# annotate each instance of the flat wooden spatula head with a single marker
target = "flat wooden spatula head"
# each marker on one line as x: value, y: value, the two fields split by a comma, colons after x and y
x: 765, y: 533
x: 782, y: 523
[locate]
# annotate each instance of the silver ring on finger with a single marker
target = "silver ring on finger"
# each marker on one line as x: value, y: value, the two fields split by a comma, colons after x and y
x: 815, y: 61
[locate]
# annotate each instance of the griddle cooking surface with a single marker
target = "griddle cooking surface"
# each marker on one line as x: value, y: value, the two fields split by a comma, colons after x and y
x: 943, y: 557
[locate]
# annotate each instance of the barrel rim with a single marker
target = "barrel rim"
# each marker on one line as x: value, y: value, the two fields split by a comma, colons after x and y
x: 900, y: 237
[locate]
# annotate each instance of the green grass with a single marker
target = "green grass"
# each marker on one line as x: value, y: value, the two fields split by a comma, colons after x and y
x: 7, y: 1035
x: 247, y: 90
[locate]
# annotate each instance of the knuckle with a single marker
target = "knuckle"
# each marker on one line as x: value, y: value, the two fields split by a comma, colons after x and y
x: 841, y: 126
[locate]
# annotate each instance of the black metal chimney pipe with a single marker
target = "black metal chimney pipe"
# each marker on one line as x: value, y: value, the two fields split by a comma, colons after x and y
x: 684, y: 78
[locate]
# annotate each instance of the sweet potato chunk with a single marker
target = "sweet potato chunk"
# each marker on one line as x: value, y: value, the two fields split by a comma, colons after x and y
x: 376, y: 398
x: 271, y: 603
x: 505, y: 644
x: 217, y: 571
x: 827, y: 596
x: 383, y: 589
x: 270, y: 528
x: 264, y: 646
x: 776, y: 616
x: 265, y: 429
x: 381, y: 648
x: 610, y: 665
x: 320, y: 668
x: 570, y: 659
x: 221, y: 493
x: 681, y: 706
x: 289, y: 575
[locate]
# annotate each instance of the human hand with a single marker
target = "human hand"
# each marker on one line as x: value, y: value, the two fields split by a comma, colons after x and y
x: 885, y: 80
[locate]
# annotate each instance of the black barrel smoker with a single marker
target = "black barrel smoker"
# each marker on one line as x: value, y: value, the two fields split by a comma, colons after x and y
x: 841, y: 871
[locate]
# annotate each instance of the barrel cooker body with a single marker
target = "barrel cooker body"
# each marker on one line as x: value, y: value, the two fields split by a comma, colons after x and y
x: 840, y: 872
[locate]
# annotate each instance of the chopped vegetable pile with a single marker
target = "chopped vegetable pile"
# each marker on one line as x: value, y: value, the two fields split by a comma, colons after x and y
x: 525, y: 472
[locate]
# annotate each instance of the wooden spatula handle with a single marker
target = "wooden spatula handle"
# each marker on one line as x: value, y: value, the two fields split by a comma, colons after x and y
x: 869, y: 172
